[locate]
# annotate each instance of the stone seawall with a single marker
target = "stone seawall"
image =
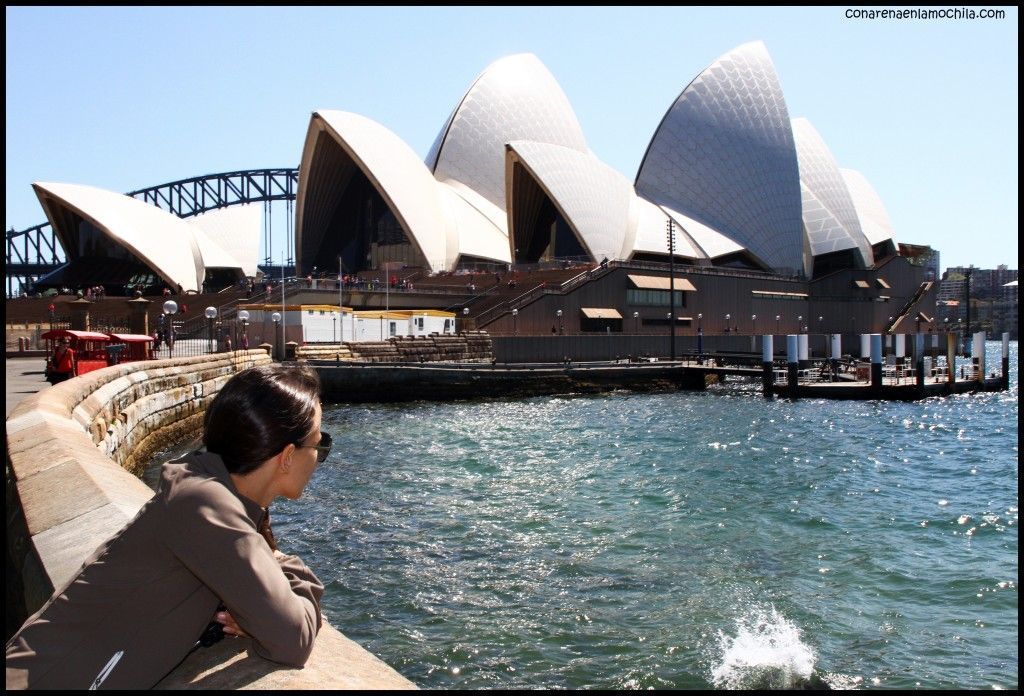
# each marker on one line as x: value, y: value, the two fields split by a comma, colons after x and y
x: 73, y: 454
x: 469, y: 346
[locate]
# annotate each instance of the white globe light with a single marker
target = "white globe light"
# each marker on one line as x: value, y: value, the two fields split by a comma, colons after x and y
x: 276, y: 316
x: 211, y: 312
x: 243, y: 315
x: 170, y: 307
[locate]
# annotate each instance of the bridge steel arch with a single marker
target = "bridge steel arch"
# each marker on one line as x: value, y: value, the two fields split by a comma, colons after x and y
x: 35, y: 251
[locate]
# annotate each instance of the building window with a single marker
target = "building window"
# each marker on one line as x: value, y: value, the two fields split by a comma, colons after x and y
x: 680, y: 321
x: 601, y: 325
x: 654, y: 298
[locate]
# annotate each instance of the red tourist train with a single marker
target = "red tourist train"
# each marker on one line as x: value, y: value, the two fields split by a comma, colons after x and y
x: 72, y: 353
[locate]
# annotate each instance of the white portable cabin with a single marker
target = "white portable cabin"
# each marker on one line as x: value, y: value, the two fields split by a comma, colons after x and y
x: 374, y: 325
x: 303, y: 323
x: 331, y: 325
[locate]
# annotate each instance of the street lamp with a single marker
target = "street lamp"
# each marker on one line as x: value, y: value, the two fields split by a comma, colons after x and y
x: 800, y: 323
x: 170, y: 309
x: 778, y: 317
x: 243, y: 341
x: 276, y: 317
x: 515, y: 322
x: 727, y: 318
x: 753, y: 324
x: 561, y: 325
x: 334, y: 319
x: 465, y: 317
x: 700, y: 336
x: 211, y: 315
x: 636, y: 322
x: 672, y: 286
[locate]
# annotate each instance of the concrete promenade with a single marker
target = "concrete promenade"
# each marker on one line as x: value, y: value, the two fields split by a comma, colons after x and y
x: 71, y: 451
x: 24, y: 377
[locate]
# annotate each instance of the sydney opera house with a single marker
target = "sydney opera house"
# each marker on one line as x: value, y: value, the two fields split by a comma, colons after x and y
x: 746, y: 201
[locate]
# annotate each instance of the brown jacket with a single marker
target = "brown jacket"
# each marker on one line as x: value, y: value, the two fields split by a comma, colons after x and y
x: 141, y: 601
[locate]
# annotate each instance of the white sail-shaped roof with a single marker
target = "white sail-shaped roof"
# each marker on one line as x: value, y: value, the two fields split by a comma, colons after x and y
x: 652, y: 233
x: 874, y: 220
x: 515, y: 98
x: 712, y: 243
x: 397, y: 173
x: 592, y: 197
x: 473, y: 232
x: 825, y: 233
x: 163, y: 241
x: 213, y: 255
x: 235, y: 230
x: 723, y: 155
x: 820, y: 174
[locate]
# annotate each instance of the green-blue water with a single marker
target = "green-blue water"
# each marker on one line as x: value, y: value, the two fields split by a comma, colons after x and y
x: 672, y: 540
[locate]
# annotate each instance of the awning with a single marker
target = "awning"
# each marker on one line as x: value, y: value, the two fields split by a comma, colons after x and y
x: 882, y: 283
x: 131, y: 338
x: 777, y: 293
x: 600, y: 313
x: 54, y: 334
x: 660, y: 283
x: 861, y: 284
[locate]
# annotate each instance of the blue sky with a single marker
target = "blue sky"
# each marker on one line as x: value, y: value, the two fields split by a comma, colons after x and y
x: 124, y: 98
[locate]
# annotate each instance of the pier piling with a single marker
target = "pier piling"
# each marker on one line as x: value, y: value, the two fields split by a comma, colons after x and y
x: 978, y: 356
x: 768, y: 365
x: 793, y: 363
x: 837, y: 354
x: 919, y: 361
x: 1006, y: 360
x: 876, y: 363
x: 951, y: 359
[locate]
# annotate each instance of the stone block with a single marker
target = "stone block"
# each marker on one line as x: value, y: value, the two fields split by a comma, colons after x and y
x: 73, y: 487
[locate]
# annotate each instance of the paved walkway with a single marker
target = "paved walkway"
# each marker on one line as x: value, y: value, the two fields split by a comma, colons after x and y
x: 24, y: 377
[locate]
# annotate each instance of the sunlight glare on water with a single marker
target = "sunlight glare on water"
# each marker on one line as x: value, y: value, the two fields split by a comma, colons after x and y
x: 675, y: 540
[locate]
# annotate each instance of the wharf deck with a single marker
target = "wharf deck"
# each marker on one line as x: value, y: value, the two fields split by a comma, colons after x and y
x: 387, y: 382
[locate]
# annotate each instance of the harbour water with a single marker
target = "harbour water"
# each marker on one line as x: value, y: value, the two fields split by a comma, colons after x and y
x: 674, y: 540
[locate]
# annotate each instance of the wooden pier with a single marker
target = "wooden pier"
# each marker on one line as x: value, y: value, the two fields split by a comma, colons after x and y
x: 389, y: 382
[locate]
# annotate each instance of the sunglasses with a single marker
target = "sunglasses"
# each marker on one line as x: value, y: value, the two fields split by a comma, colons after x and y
x: 323, y: 449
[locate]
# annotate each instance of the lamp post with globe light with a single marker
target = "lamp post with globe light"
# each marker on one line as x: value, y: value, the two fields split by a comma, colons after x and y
x: 700, y: 336
x: 170, y: 309
x: 243, y: 314
x: 211, y: 316
x: 276, y: 318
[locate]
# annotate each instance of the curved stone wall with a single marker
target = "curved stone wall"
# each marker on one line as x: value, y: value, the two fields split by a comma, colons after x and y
x: 73, y: 454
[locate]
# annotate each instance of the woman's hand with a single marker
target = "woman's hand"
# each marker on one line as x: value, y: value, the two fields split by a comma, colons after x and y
x: 231, y: 627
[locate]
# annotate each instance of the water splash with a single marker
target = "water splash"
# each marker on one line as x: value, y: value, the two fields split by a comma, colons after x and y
x: 766, y: 653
